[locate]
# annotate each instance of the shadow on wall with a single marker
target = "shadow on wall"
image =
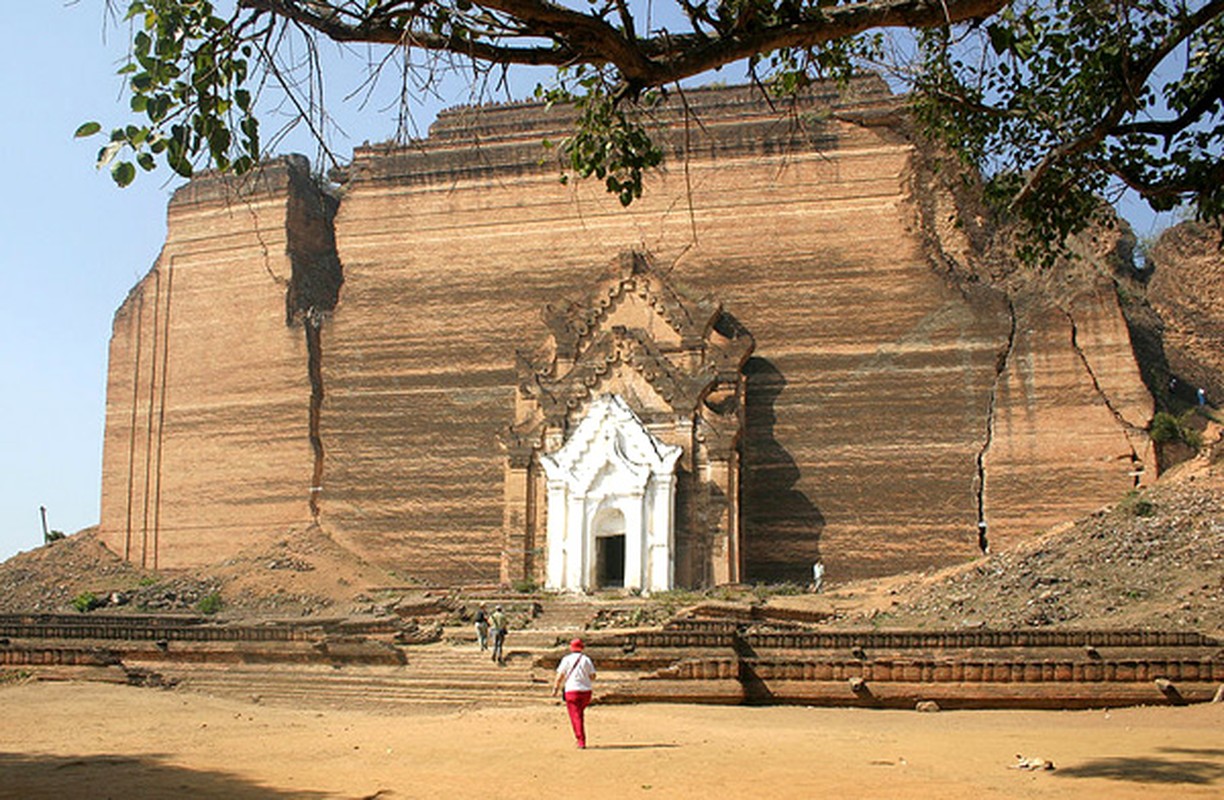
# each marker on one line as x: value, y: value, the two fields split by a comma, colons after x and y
x: 126, y: 776
x: 781, y: 526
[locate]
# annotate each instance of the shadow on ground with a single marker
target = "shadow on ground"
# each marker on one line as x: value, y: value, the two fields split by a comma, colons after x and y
x: 1202, y: 767
x: 103, y: 776
x: 630, y: 746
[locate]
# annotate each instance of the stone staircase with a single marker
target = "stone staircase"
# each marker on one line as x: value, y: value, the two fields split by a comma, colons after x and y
x: 438, y: 674
x: 337, y: 664
x: 450, y: 672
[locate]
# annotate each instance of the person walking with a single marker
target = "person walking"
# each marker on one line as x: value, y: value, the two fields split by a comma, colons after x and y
x: 498, y: 620
x: 576, y: 673
x: 482, y: 627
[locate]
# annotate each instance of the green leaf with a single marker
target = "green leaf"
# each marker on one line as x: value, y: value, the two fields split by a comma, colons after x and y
x: 123, y: 172
x: 1000, y: 38
x: 88, y: 129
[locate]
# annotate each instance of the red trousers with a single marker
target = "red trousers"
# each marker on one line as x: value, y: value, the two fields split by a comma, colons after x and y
x: 575, y: 704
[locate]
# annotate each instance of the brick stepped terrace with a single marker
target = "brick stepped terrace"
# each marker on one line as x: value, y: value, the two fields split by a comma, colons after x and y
x: 377, y: 663
x: 392, y: 662
x: 719, y: 661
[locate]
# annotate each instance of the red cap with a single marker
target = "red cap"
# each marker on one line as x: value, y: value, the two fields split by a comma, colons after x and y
x: 576, y: 645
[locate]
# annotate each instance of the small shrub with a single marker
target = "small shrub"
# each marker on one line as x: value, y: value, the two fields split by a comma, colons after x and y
x: 86, y: 601
x: 1166, y: 428
x: 54, y: 536
x: 1137, y: 505
x: 210, y: 603
x: 764, y: 591
x: 15, y: 676
x: 525, y: 586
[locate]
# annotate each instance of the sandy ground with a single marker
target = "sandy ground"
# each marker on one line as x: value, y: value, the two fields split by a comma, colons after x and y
x: 65, y: 740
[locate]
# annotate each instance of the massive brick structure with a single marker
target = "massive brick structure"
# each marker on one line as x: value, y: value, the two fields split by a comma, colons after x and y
x: 905, y: 381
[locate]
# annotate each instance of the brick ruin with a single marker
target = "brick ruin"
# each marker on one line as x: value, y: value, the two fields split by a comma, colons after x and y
x: 802, y: 303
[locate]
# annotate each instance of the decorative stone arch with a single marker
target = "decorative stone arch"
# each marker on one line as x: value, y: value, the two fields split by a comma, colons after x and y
x: 635, y: 403
x: 611, y: 467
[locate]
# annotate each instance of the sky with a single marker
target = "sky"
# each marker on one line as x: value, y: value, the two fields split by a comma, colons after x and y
x: 72, y: 245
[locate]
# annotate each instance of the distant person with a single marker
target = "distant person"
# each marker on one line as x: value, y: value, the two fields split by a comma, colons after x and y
x: 498, y: 620
x: 575, y: 673
x: 482, y: 627
x: 1201, y: 396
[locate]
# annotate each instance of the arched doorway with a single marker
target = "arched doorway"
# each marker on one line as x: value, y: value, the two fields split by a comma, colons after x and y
x: 609, y: 529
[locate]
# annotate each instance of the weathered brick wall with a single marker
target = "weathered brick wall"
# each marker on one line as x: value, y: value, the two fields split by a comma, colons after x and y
x: 881, y: 377
x: 207, y: 396
x: 868, y: 392
x: 1187, y: 290
x: 1069, y: 416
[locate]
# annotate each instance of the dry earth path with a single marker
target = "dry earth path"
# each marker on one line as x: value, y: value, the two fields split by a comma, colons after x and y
x: 103, y: 741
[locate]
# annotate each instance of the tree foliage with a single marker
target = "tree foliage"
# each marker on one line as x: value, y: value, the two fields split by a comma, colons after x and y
x: 1061, y: 103
x: 1056, y: 101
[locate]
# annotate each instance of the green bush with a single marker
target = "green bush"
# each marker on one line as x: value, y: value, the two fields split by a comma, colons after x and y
x: 86, y: 601
x: 763, y: 591
x: 1166, y: 428
x: 15, y: 676
x: 1137, y: 505
x: 210, y: 603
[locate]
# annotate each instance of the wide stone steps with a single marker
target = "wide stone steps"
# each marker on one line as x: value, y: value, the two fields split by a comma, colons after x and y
x: 436, y: 674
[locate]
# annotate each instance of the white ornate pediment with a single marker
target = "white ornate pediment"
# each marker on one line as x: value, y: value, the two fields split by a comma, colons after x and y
x: 610, y: 447
x: 611, y: 468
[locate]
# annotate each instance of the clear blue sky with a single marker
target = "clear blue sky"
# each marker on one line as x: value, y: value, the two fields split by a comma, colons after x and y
x: 72, y: 245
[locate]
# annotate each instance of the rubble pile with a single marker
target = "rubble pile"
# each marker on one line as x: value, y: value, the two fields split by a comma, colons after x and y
x: 1154, y: 560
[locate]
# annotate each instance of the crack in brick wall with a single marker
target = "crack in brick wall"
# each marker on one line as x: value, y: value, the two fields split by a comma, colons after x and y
x: 311, y: 296
x: 1127, y: 426
x: 1001, y: 364
x: 313, y: 324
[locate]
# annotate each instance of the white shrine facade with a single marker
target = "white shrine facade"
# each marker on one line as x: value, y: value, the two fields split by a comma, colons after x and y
x: 623, y: 460
x: 611, y: 504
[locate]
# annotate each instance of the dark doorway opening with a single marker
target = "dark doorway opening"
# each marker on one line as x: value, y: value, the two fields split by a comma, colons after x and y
x: 610, y: 562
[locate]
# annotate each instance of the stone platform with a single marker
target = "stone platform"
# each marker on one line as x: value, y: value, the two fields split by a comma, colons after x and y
x: 393, y: 663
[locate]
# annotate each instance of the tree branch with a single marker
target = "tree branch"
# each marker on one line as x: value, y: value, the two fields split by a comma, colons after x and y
x: 1171, y: 127
x: 1142, y: 72
x: 653, y: 61
x: 1163, y: 189
x: 374, y: 31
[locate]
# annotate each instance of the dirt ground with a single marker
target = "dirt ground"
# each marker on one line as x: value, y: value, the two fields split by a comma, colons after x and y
x: 102, y: 741
x: 1156, y: 560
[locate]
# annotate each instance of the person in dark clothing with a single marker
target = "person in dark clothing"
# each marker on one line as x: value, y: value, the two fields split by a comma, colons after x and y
x: 482, y: 627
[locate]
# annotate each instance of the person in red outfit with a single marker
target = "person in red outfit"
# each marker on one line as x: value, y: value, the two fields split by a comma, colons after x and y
x: 575, y: 673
